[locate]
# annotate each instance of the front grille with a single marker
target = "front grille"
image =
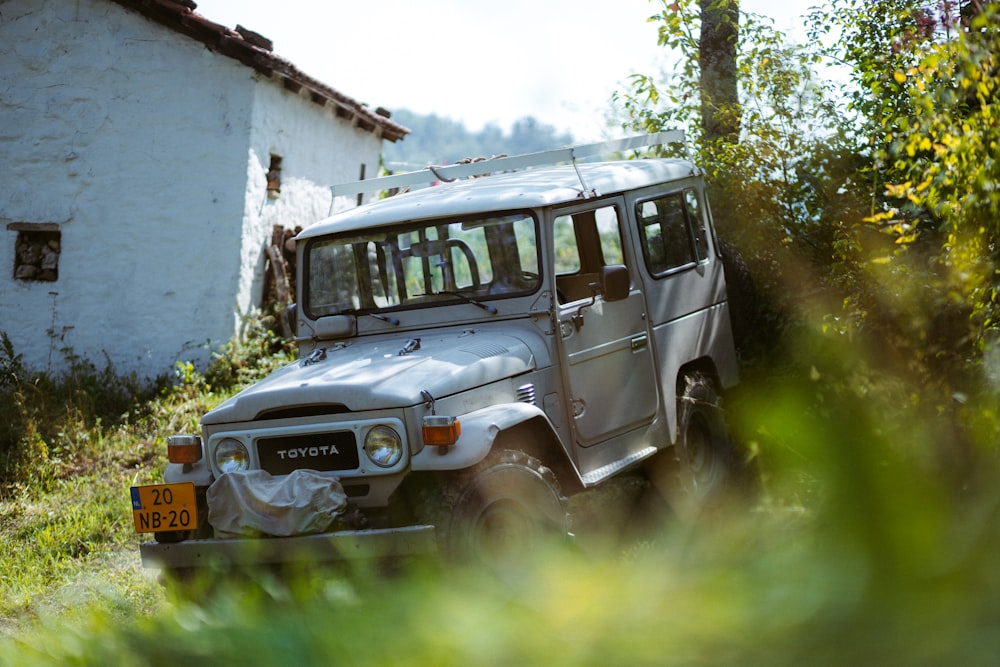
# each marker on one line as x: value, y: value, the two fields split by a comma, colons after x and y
x: 297, y: 411
x: 281, y: 455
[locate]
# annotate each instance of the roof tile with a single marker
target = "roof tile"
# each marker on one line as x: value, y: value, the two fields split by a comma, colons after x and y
x: 256, y: 51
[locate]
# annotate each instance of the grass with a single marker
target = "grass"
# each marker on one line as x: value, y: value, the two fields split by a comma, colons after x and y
x: 65, y: 517
x: 858, y: 550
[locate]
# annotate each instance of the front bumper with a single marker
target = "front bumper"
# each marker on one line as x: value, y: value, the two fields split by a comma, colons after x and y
x: 346, y: 545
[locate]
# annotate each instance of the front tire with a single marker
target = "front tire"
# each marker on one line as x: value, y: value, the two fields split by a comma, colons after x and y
x: 504, y: 510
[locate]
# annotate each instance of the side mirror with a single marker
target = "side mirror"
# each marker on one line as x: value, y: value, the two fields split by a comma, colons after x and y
x: 615, y: 282
x: 614, y: 286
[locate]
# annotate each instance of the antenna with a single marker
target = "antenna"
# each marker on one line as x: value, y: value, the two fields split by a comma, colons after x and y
x: 453, y: 172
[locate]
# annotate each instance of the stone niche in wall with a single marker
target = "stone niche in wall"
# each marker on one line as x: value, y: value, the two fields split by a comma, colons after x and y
x: 36, y: 251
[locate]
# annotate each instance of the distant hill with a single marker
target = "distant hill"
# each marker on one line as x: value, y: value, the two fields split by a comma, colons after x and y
x: 439, y: 140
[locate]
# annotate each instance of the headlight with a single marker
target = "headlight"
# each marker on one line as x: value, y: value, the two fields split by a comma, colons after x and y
x: 383, y: 446
x: 231, y: 456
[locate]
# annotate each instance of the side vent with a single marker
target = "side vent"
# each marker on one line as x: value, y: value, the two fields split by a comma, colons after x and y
x: 486, y: 350
x: 526, y: 394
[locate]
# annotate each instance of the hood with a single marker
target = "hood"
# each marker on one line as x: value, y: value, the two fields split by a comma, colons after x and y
x: 380, y: 374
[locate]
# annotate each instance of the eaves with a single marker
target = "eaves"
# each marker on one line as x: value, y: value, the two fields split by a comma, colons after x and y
x: 256, y: 51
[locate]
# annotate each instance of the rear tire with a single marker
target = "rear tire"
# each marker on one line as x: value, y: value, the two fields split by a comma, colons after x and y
x: 697, y: 473
x: 702, y: 451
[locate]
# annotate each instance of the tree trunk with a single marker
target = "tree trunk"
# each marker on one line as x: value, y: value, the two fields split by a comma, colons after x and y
x: 720, y: 106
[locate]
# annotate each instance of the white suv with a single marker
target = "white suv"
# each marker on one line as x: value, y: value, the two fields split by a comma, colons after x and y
x: 469, y: 352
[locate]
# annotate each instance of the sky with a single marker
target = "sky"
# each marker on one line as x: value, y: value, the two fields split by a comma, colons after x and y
x: 475, y: 61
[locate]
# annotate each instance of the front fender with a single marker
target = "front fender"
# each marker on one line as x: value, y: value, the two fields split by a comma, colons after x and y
x: 479, y: 431
x: 199, y: 473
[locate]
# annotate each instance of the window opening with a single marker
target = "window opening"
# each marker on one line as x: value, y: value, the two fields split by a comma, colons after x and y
x: 36, y: 252
x: 274, y: 177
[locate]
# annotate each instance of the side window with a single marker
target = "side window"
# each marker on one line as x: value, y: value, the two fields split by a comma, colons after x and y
x: 666, y: 241
x: 697, y: 224
x: 673, y: 232
x: 610, y: 235
x: 585, y: 242
x: 567, y: 259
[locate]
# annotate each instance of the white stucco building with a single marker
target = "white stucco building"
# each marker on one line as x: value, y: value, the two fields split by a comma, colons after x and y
x: 135, y: 207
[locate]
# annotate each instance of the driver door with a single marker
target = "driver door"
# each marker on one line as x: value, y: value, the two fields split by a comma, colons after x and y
x: 607, y: 359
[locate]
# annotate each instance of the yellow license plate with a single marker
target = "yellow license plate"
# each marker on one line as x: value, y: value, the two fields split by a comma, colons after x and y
x: 162, y: 507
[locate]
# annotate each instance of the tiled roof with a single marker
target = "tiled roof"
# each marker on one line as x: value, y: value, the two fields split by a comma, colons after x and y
x: 255, y: 50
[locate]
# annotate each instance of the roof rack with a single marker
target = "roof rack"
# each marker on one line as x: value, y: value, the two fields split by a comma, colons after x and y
x: 494, y: 165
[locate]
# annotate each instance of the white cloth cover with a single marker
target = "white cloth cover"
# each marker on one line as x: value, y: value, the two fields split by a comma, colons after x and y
x: 256, y: 504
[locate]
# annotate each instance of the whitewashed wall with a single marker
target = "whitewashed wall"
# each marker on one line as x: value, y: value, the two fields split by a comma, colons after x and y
x: 149, y: 151
x: 317, y: 151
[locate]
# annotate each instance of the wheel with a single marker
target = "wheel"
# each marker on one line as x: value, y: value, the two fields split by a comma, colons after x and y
x: 702, y: 451
x: 697, y: 476
x: 503, y: 510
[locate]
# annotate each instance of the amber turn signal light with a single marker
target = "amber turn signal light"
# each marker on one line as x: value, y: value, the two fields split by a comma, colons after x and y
x: 184, y: 448
x: 441, y: 431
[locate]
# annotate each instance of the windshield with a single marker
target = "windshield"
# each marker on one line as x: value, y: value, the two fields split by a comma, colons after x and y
x: 422, y: 263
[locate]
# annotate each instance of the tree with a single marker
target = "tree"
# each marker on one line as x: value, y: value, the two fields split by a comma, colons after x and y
x: 720, y: 107
x: 924, y: 91
x: 921, y: 284
x: 779, y: 172
x: 945, y: 167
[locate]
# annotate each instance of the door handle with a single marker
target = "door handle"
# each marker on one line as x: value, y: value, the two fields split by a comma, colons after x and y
x: 640, y: 342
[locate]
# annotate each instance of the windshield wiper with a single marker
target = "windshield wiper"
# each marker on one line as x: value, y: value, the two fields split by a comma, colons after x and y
x: 468, y: 299
x: 385, y: 318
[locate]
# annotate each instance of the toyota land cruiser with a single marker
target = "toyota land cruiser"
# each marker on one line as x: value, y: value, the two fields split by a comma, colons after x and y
x: 469, y: 353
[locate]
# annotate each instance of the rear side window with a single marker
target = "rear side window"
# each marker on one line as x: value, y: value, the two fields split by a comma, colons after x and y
x: 672, y: 231
x: 697, y: 221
